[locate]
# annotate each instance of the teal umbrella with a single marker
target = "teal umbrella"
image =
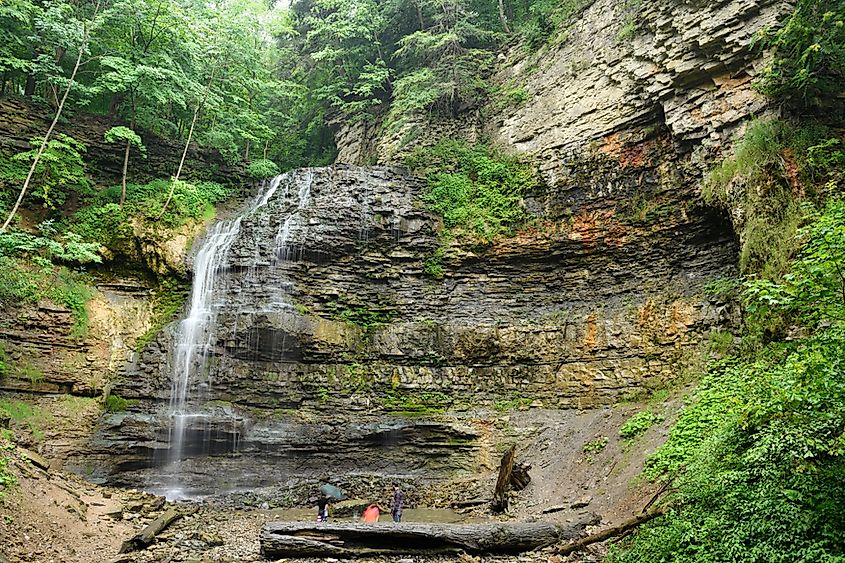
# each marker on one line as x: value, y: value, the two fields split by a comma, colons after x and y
x: 332, y: 492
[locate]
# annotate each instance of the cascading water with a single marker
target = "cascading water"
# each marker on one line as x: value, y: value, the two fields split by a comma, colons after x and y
x: 197, y: 331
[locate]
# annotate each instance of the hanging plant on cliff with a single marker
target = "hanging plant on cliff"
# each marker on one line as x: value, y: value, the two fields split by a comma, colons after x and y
x: 808, y: 69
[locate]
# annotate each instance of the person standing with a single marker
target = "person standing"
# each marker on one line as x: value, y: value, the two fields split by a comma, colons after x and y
x: 398, y: 501
x: 323, y: 509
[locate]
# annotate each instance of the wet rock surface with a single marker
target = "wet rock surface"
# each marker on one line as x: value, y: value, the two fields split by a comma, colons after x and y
x: 336, y: 349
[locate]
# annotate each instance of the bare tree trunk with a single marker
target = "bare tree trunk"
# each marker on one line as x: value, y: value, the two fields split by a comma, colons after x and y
x: 503, y: 17
x: 29, y: 87
x: 500, y: 495
x: 45, y: 141
x: 61, y: 106
x: 610, y: 532
x: 420, y: 17
x: 307, y: 539
x: 126, y: 154
x: 188, y: 142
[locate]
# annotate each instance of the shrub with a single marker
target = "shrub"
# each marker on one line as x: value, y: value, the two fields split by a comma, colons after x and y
x: 476, y: 189
x: 116, y: 403
x: 60, y: 170
x: 260, y: 169
x: 639, y: 423
x: 809, y: 55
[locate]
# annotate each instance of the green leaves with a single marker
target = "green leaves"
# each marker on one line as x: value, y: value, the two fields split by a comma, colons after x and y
x: 122, y: 135
x: 757, y: 455
x: 807, y: 70
x: 477, y: 190
x: 60, y: 170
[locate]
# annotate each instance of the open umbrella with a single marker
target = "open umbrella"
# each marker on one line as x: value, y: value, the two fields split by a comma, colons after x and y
x: 332, y: 492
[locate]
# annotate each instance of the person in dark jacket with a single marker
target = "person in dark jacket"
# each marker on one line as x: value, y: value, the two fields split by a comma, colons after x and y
x: 323, y: 509
x: 398, y: 501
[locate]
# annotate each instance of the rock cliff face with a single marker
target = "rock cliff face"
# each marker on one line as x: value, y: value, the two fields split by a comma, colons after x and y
x: 576, y: 314
x: 44, y: 355
x: 320, y: 358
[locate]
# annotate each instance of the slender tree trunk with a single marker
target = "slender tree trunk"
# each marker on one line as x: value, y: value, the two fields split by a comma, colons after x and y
x: 420, y: 16
x: 29, y: 87
x: 126, y: 153
x: 503, y: 17
x: 46, y: 138
x: 246, y: 152
x: 61, y: 105
x: 188, y: 142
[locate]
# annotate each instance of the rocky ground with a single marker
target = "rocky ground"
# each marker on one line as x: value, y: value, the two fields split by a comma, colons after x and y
x: 52, y: 516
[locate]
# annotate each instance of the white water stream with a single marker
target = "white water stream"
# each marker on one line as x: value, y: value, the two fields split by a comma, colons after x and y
x: 196, y: 334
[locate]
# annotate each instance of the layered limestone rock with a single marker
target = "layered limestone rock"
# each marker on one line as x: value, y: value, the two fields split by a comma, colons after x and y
x: 22, y: 120
x: 615, y: 68
x: 45, y: 354
x: 578, y: 312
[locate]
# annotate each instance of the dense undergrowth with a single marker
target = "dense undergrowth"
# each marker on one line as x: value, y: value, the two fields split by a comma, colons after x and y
x: 478, y: 190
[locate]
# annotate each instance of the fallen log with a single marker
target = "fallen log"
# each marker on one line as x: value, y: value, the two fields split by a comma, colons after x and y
x: 307, y: 539
x: 608, y: 533
x: 146, y: 536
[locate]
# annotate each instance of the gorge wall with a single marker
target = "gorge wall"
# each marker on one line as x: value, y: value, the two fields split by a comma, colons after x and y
x: 603, y: 297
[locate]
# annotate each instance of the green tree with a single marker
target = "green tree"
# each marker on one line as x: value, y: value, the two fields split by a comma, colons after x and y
x: 128, y: 138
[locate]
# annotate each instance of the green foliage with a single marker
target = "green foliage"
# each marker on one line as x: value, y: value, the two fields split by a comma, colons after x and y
x: 726, y: 289
x: 17, y: 284
x: 416, y: 403
x: 639, y: 423
x: 4, y: 360
x: 514, y: 403
x: 106, y: 224
x: 60, y: 170
x: 34, y: 419
x: 168, y: 300
x: 759, y: 453
x: 125, y: 135
x: 7, y: 478
x: 73, y: 291
x: 433, y: 264
x: 477, y: 190
x: 809, y: 55
x: 116, y: 403
x: 597, y: 445
x: 542, y: 20
x: 720, y: 341
x: 30, y: 372
x: 44, y: 250
x: 361, y: 315
x: 774, y: 166
x: 260, y: 169
x: 23, y: 282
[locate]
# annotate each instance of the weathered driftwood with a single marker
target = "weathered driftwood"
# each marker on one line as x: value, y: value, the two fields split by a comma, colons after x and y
x: 608, y: 533
x: 519, y: 476
x: 307, y: 539
x: 500, y: 494
x: 146, y: 536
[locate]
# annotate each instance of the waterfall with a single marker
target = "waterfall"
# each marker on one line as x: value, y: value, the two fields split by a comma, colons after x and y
x: 196, y: 333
